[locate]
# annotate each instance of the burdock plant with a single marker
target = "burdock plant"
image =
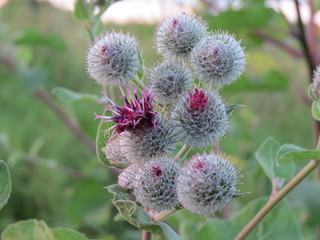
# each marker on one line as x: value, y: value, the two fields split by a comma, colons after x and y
x: 160, y: 113
x: 149, y: 131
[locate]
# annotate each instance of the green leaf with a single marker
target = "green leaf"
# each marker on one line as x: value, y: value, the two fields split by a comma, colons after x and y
x: 80, y: 10
x: 68, y: 234
x: 291, y: 152
x: 284, y: 170
x: 69, y: 96
x: 38, y: 230
x: 5, y: 184
x: 28, y: 230
x: 231, y: 108
x: 138, y: 217
x: 266, y: 156
x: 315, y: 109
x: 34, y: 38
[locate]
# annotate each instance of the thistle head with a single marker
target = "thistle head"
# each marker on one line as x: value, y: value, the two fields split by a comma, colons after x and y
x: 200, y: 118
x: 113, y: 59
x: 178, y: 35
x: 218, y: 59
x: 207, y: 183
x: 127, y: 179
x: 113, y: 153
x: 140, y: 145
x: 314, y: 89
x: 169, y: 81
x: 156, y: 188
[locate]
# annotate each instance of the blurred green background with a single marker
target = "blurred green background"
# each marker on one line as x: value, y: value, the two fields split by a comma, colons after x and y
x: 56, y: 178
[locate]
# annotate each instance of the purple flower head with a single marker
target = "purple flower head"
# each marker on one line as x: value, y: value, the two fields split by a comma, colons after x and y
x: 198, y: 100
x: 137, y: 113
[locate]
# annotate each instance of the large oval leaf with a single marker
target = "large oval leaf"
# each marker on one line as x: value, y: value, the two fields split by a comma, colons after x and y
x: 267, y: 157
x: 68, y: 234
x: 5, y: 183
x: 38, y: 230
x: 80, y: 10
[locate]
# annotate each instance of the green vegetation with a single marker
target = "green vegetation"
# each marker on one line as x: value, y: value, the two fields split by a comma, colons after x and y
x: 57, y: 178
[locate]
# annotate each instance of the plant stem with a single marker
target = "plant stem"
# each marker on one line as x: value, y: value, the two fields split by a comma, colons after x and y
x: 303, y: 41
x: 182, y: 152
x: 90, y: 33
x: 273, y: 201
x: 308, y: 49
x: 146, y: 235
x: 164, y: 214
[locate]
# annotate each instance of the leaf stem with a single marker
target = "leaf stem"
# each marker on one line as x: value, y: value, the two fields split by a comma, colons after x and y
x: 182, y: 152
x: 136, y: 80
x: 280, y: 195
x: 146, y: 235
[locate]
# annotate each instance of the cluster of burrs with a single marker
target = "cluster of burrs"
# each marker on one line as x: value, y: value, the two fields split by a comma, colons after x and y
x: 169, y: 109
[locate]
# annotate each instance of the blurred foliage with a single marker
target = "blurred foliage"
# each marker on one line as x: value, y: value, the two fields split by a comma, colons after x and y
x: 55, y: 178
x: 279, y: 224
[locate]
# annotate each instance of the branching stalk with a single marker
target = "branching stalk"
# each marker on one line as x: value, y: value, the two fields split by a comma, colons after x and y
x: 165, y: 214
x: 279, y: 196
x: 303, y: 41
